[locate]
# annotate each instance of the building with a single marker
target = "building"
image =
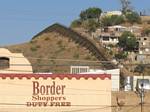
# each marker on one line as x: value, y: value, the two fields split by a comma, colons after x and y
x: 110, y: 35
x: 144, y: 50
x: 144, y: 45
x: 107, y: 38
x: 115, y: 76
x: 136, y: 30
x: 55, y: 93
x: 117, y: 28
x: 13, y: 62
x: 111, y: 13
x: 79, y: 69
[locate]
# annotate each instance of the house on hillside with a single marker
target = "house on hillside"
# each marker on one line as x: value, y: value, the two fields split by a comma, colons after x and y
x: 107, y: 38
x: 144, y: 45
x: 136, y: 30
x: 144, y: 49
x: 110, y: 34
x: 117, y: 28
x: 13, y: 62
x: 111, y: 13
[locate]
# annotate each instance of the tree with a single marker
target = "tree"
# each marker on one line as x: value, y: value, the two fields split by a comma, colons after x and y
x: 91, y: 13
x: 90, y: 25
x: 133, y: 17
x: 76, y: 23
x: 106, y: 21
x: 121, y: 55
x: 127, y: 41
x: 112, y: 20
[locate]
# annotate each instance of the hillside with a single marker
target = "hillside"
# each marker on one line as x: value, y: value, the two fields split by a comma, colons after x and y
x: 44, y: 50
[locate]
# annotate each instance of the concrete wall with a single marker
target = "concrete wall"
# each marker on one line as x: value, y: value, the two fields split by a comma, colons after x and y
x: 18, y: 63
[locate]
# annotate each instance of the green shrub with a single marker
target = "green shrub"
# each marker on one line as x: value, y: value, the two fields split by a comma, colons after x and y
x: 121, y: 55
x: 148, y: 22
x: 76, y: 23
x: 33, y: 41
x: 87, y: 57
x: 59, y: 43
x: 33, y: 48
x: 133, y: 17
x: 76, y: 55
x: 127, y: 41
x: 47, y: 38
x: 38, y: 46
x: 146, y: 31
x: 112, y: 20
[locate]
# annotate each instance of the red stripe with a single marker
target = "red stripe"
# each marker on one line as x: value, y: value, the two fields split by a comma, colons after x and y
x: 53, y: 76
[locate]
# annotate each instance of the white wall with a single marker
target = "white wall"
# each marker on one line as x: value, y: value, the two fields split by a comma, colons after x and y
x: 115, y: 76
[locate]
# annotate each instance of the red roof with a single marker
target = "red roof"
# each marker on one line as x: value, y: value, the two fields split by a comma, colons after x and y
x: 53, y: 76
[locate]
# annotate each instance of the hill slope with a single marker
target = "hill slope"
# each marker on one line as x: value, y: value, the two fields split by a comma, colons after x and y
x: 44, y: 50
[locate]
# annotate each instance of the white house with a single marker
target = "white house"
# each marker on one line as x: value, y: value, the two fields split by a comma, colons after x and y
x: 110, y: 13
x: 118, y: 28
x: 109, y: 35
x: 107, y: 38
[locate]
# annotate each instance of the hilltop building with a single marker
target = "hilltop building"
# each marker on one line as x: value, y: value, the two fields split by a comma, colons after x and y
x: 111, y: 13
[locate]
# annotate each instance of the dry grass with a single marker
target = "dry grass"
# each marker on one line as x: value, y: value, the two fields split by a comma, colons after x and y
x: 131, y: 102
x: 52, y: 46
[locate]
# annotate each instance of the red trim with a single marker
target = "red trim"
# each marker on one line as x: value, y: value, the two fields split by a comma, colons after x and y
x: 53, y: 76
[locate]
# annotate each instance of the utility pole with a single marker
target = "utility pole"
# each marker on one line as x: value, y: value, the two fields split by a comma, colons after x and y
x: 125, y: 5
x: 142, y: 87
x: 142, y: 96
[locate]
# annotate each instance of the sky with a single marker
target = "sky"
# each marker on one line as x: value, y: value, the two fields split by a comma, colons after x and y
x: 20, y: 20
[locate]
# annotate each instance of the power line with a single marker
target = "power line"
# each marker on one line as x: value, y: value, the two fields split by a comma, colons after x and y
x: 73, y: 60
x: 99, y: 64
x: 35, y: 58
x: 52, y: 65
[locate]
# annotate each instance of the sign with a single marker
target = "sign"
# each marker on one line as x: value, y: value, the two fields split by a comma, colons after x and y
x: 55, y: 93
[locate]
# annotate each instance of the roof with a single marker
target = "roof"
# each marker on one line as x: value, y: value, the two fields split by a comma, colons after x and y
x: 117, y: 26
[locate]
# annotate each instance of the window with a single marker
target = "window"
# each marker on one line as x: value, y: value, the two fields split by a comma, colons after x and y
x: 105, y: 38
x: 4, y: 62
x: 79, y: 69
